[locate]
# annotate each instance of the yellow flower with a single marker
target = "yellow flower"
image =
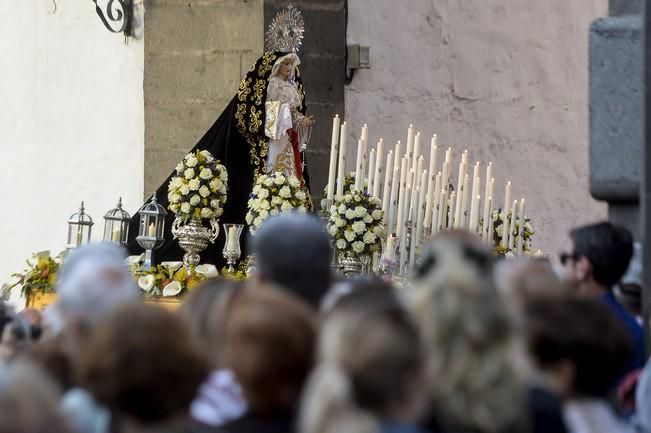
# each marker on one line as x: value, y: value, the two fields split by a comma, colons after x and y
x: 52, y: 279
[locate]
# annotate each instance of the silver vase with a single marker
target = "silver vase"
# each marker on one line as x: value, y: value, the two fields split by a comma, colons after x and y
x: 352, y: 264
x: 194, y: 238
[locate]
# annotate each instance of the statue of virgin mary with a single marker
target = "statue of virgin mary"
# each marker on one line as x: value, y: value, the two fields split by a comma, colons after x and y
x: 258, y: 132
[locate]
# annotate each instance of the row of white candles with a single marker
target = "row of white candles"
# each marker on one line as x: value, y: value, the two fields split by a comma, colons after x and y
x: 410, y: 195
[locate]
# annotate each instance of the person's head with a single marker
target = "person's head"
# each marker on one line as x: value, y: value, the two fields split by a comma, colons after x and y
x: 371, y: 365
x: 579, y: 343
x: 596, y: 256
x: 269, y: 345
x: 142, y: 364
x: 29, y: 401
x: 93, y: 280
x: 285, y: 67
x: 475, y: 356
x: 293, y: 251
x: 204, y: 311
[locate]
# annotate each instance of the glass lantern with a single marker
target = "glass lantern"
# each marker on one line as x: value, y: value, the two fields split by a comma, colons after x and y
x: 232, y: 250
x: 152, y: 228
x: 79, y: 228
x: 116, y: 225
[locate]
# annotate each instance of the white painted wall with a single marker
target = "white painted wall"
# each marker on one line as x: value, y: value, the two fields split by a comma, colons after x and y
x: 71, y: 123
x: 506, y: 79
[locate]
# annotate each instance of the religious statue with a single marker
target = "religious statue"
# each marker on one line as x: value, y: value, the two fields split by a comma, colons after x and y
x: 258, y: 132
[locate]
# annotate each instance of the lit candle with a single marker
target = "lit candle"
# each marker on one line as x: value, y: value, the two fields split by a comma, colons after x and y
x: 397, y: 156
x: 79, y: 235
x: 521, y: 228
x: 431, y: 211
x: 379, y: 169
x: 475, y: 187
x: 341, y: 168
x: 152, y: 230
x: 475, y: 180
x: 514, y: 217
x: 450, y: 208
x: 443, y: 198
x: 401, y: 198
x: 359, y: 174
x: 387, y: 187
x: 410, y: 143
x: 334, y: 147
x: 390, y: 250
x: 448, y: 155
x: 464, y: 157
x: 420, y: 213
x: 231, y: 243
x: 491, y: 224
x: 116, y: 235
x: 458, y: 208
x: 364, y: 138
x: 416, y: 156
x: 445, y: 176
x: 412, y: 197
x: 474, y: 211
x: 489, y: 176
x: 371, y: 171
x: 393, y: 202
x: 464, y: 201
x: 507, y: 197
x: 487, y: 206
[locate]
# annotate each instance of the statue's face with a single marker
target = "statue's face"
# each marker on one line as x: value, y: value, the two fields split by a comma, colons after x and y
x: 285, y: 69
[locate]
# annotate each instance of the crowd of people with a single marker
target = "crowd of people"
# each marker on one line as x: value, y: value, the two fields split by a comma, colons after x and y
x: 470, y: 344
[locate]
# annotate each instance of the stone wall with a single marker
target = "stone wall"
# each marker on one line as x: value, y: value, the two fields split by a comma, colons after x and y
x: 505, y: 79
x: 196, y: 51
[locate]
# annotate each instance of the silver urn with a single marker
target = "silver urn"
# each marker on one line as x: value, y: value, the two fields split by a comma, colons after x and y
x: 194, y: 237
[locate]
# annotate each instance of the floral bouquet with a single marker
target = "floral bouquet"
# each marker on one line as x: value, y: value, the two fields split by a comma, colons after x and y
x: 523, y: 227
x: 356, y: 223
x: 198, y: 191
x: 349, y: 182
x: 272, y: 194
x: 171, y: 278
x: 40, y: 275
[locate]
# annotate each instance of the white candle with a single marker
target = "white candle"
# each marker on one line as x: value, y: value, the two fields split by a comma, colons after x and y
x: 521, y: 228
x: 390, y: 249
x: 410, y: 143
x: 379, y: 169
x: 432, y: 211
x: 401, y: 198
x: 341, y: 167
x: 231, y: 243
x: 459, y: 196
x: 116, y: 236
x: 334, y: 147
x: 417, y: 156
x: 489, y: 176
x: 475, y: 180
x: 464, y: 201
x: 359, y: 174
x: 364, y: 138
x: 413, y: 178
x: 420, y: 206
x: 397, y: 156
x: 443, y: 198
x: 393, y: 202
x: 429, y: 198
x: 474, y: 212
x: 491, y: 224
x: 487, y: 205
x: 491, y: 191
x: 371, y: 171
x: 507, y: 197
x: 450, y: 208
x: 151, y: 232
x: 445, y: 176
x: 387, y: 187
x: 464, y: 157
x: 475, y: 188
x: 448, y: 155
x: 514, y: 217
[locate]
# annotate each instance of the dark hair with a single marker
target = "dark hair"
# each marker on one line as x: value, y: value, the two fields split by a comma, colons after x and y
x: 293, y: 251
x: 585, y: 332
x: 269, y: 345
x: 141, y: 362
x: 608, y: 248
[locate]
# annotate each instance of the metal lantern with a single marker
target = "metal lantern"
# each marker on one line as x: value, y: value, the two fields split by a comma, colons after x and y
x: 116, y: 225
x: 152, y: 228
x: 79, y: 227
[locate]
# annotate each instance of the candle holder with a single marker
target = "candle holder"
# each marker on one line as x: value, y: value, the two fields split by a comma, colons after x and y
x: 232, y: 251
x: 152, y: 229
x: 116, y: 225
x: 79, y: 228
x: 388, y: 259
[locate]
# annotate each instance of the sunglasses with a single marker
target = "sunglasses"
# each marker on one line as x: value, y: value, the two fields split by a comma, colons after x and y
x: 564, y: 257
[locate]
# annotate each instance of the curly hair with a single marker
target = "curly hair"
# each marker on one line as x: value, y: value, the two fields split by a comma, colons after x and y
x: 142, y: 363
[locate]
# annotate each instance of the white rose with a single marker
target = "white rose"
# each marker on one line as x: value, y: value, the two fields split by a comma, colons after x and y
x: 192, y: 161
x: 280, y: 179
x: 205, y: 173
x: 275, y: 200
x: 204, y: 191
x: 194, y: 184
x: 206, y: 212
x: 257, y: 221
x: 300, y: 195
x: 340, y: 222
x: 285, y: 192
x: 360, y: 211
x: 350, y: 214
x: 223, y: 175
x: 264, y: 204
x: 264, y: 213
x: 499, y: 230
x: 349, y: 235
x: 348, y: 199
x: 216, y: 184
x: 293, y: 182
x: 378, y: 230
x: 302, y: 209
x: 189, y: 173
x: 214, y: 203
x: 263, y: 193
x: 248, y: 218
x: 207, y: 155
x: 184, y: 189
x: 359, y: 227
x: 176, y: 182
x: 377, y: 214
x: 179, y: 168
x: 332, y: 229
x: 173, y: 197
x: 369, y: 238
x: 342, y: 209
x: 185, y: 207
x: 268, y: 182
x: 274, y: 212
x: 358, y: 247
x: 286, y: 206
x: 341, y: 244
x: 146, y: 282
x: 368, y: 219
x: 194, y: 200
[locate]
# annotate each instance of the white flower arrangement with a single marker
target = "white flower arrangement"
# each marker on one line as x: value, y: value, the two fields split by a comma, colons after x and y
x: 273, y: 194
x: 523, y: 227
x: 356, y: 223
x: 198, y: 191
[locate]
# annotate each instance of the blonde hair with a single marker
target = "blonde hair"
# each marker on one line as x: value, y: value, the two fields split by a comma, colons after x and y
x: 476, y: 357
x: 367, y: 357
